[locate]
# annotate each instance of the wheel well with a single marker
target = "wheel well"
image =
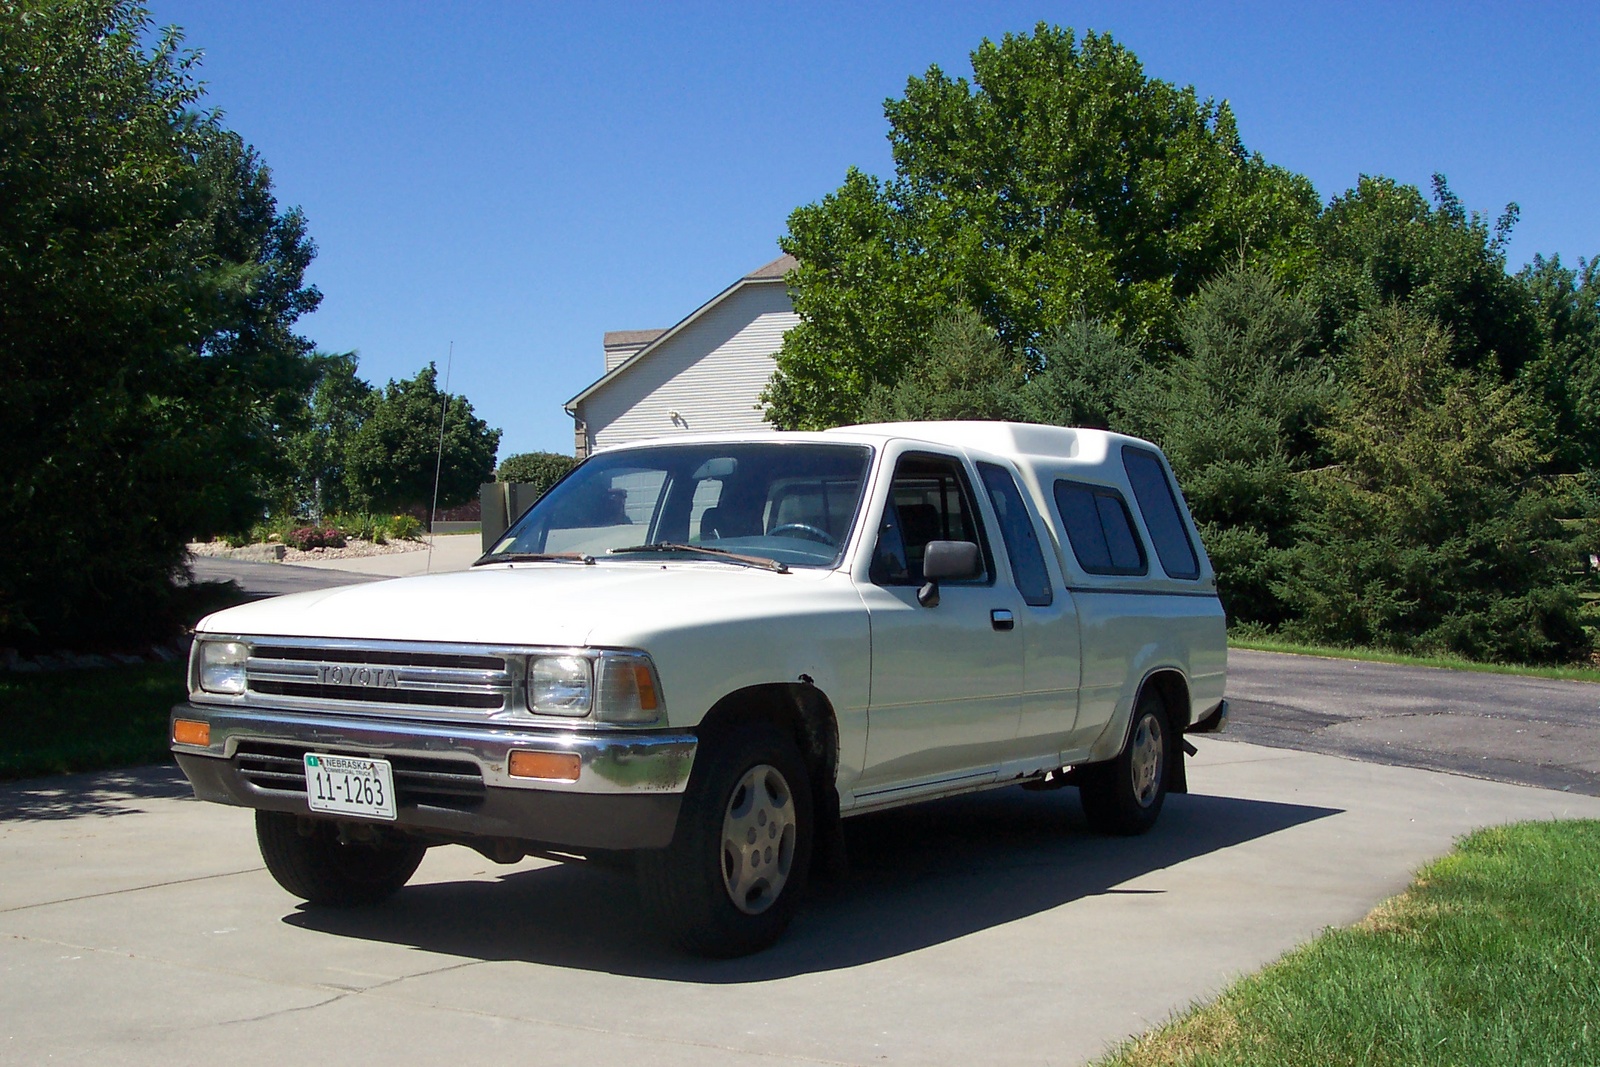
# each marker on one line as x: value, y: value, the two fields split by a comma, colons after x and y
x: 1174, y: 690
x: 798, y: 709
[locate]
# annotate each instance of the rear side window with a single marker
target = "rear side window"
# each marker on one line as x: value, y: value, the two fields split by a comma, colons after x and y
x: 1099, y: 528
x: 1159, y: 506
x: 1016, y: 530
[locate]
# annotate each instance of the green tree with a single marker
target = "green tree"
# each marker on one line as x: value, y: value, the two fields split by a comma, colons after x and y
x: 1236, y: 413
x: 1428, y: 530
x: 1566, y: 373
x: 542, y: 469
x: 392, y: 458
x: 1089, y: 377
x: 1061, y: 184
x: 338, y: 406
x: 1382, y: 243
x: 148, y: 290
x: 966, y: 374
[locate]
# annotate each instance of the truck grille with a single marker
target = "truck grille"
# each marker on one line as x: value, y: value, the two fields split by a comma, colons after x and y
x: 293, y: 672
x: 440, y: 783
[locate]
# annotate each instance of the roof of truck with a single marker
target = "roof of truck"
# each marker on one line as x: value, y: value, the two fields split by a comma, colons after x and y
x: 1046, y: 444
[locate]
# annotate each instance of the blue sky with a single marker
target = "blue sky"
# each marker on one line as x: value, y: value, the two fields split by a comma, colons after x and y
x: 520, y: 178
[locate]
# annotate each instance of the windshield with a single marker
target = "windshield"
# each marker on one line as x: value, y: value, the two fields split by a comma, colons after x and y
x: 790, y: 503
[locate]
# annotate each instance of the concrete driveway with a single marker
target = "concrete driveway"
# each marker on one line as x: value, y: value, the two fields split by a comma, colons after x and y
x: 137, y: 927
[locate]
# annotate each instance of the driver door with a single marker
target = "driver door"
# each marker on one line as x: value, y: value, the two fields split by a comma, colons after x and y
x: 946, y: 680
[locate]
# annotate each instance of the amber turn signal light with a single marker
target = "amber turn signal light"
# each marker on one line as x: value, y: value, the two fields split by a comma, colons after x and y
x: 552, y: 766
x: 646, y: 685
x: 189, y: 732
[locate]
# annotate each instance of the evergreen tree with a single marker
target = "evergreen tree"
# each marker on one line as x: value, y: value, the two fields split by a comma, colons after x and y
x: 1428, y: 530
x: 966, y: 374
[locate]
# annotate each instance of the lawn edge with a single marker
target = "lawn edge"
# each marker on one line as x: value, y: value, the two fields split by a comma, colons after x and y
x: 1443, y: 663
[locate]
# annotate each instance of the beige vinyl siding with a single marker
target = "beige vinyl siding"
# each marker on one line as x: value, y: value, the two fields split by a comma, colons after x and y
x: 617, y: 355
x: 711, y: 373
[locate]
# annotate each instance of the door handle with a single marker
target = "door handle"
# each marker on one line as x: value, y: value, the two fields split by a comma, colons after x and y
x: 1001, y: 619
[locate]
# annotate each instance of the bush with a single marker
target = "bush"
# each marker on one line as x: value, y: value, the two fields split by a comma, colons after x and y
x: 404, y: 527
x: 361, y: 526
x: 542, y: 469
x: 309, y: 537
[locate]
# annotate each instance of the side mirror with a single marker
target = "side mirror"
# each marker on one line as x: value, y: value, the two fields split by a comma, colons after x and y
x: 950, y: 560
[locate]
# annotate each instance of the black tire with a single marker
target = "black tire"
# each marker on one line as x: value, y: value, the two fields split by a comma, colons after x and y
x: 316, y: 867
x: 1123, y: 796
x: 720, y: 894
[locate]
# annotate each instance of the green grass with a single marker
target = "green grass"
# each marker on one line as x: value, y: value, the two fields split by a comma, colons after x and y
x: 86, y: 720
x: 1491, y: 957
x: 1454, y: 663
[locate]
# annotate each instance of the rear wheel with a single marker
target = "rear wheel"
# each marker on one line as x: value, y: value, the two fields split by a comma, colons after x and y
x: 1124, y: 795
x: 731, y: 880
x: 308, y: 859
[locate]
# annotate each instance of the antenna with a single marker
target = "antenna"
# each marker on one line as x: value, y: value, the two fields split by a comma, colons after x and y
x: 438, y: 463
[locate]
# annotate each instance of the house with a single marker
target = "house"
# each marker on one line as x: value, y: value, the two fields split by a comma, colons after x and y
x: 706, y: 373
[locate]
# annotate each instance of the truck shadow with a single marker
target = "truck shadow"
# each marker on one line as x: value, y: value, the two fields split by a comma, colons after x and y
x: 919, y: 877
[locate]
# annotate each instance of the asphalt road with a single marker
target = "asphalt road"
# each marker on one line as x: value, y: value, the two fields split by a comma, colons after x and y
x: 1531, y: 731
x: 272, y: 579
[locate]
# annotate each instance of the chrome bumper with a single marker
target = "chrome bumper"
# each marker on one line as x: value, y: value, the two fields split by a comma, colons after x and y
x: 627, y: 794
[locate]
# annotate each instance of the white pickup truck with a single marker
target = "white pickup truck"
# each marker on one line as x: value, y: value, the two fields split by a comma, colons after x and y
x: 705, y: 651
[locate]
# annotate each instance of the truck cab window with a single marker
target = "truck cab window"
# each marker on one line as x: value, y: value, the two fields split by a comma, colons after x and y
x: 929, y: 500
x: 1016, y: 530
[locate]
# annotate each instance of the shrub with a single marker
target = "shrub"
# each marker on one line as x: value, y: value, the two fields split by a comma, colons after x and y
x: 542, y: 469
x: 362, y: 526
x: 309, y: 537
x: 404, y: 528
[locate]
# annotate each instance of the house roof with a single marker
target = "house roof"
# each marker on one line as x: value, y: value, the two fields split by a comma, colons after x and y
x: 618, y: 338
x: 776, y: 269
x: 769, y: 274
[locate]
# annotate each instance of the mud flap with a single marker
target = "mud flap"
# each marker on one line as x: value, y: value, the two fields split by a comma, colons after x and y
x: 1178, y: 775
x: 829, y: 858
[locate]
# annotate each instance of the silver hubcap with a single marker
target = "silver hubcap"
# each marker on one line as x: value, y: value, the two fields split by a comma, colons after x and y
x: 1147, y: 750
x: 758, y: 834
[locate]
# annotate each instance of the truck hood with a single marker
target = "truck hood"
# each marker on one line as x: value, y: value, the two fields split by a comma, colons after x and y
x: 611, y: 603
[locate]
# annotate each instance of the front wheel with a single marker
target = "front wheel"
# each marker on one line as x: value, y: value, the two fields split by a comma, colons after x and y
x: 731, y: 880
x: 1123, y: 796
x: 308, y: 859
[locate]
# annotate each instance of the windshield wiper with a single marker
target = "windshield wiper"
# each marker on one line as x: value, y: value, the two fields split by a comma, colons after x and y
x: 535, y: 557
x: 701, y: 550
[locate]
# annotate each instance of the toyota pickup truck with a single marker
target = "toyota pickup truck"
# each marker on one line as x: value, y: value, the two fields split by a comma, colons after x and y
x: 701, y: 653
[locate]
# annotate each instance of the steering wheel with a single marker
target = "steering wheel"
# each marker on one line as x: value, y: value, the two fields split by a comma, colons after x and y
x: 810, y: 533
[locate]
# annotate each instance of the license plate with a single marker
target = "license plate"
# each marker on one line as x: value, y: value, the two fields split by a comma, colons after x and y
x: 346, y: 785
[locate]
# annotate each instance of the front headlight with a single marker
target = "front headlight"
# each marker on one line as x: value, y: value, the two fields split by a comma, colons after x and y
x: 610, y: 686
x: 221, y: 667
x: 560, y: 685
